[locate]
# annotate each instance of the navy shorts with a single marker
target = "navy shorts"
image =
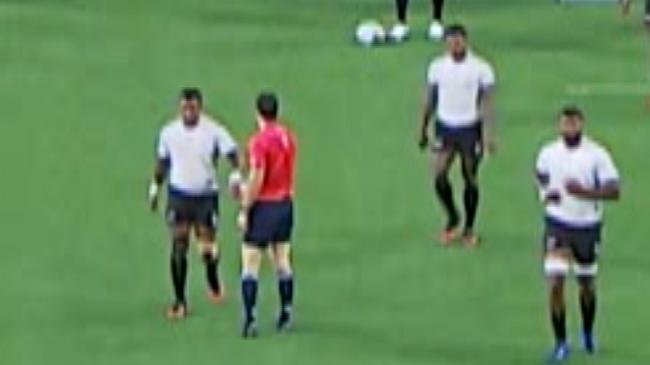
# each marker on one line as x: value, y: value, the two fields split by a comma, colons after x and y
x: 583, y: 243
x: 466, y: 141
x: 269, y: 222
x: 193, y: 210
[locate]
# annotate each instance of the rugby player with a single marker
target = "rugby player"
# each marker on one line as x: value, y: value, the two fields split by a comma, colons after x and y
x: 188, y: 149
x: 574, y: 174
x: 459, y: 91
x: 266, y: 216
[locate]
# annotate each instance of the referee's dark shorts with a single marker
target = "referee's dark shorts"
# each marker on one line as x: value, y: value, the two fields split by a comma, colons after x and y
x: 269, y: 222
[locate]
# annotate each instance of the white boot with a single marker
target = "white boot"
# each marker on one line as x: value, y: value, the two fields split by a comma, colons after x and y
x: 436, y: 31
x: 399, y: 33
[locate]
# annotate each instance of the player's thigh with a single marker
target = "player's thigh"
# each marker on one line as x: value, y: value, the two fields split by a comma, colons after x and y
x: 260, y: 230
x: 471, y: 152
x: 205, y: 215
x: 585, y: 247
x: 442, y: 160
x: 281, y: 253
x: 557, y: 254
x: 178, y: 217
x: 251, y: 259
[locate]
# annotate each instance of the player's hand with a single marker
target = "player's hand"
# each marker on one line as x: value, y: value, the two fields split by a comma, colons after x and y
x: 489, y: 145
x: 423, y: 142
x: 153, y: 196
x: 242, y: 220
x: 575, y: 188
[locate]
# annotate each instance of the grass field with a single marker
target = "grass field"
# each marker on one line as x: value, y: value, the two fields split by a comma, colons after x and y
x: 85, y: 85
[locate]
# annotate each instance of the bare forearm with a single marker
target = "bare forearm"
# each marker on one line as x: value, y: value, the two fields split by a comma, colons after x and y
x: 487, y: 113
x: 606, y: 193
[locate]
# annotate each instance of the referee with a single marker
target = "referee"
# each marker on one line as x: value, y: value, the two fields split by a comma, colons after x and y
x: 459, y: 91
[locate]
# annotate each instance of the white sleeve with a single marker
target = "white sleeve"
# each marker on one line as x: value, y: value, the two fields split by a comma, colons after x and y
x: 541, y: 167
x: 162, y: 150
x: 487, y: 77
x: 224, y: 142
x: 433, y: 74
x: 606, y: 171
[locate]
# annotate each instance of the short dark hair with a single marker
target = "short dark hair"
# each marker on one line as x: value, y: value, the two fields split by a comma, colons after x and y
x: 192, y: 93
x: 267, y: 105
x: 572, y: 111
x: 455, y: 30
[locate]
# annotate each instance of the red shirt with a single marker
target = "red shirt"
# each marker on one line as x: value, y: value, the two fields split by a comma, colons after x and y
x: 273, y: 150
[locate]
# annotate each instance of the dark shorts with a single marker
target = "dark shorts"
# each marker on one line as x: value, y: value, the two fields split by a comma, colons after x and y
x: 193, y: 210
x: 466, y: 141
x: 583, y: 243
x: 269, y: 222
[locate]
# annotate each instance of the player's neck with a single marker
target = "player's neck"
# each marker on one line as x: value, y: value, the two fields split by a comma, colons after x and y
x: 573, y: 142
x: 265, y: 123
x: 459, y: 57
x: 190, y: 123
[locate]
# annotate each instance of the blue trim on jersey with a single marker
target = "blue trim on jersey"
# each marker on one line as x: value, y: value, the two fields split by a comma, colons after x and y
x: 444, y: 128
x: 181, y: 193
x: 561, y: 223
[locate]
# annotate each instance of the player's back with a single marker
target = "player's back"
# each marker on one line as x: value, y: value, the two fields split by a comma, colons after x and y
x: 274, y: 149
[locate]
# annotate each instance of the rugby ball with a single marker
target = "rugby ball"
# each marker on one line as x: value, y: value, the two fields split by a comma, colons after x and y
x: 369, y: 33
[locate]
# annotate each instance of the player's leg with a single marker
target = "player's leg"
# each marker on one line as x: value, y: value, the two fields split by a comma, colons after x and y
x: 400, y: 30
x: 437, y: 8
x: 401, y: 8
x: 180, y: 232
x: 206, y: 232
x: 281, y: 252
x: 471, y: 155
x: 256, y: 239
x: 436, y: 29
x: 557, y: 259
x: 443, y: 159
x: 251, y: 261
x: 586, y: 270
x: 210, y: 254
x: 647, y: 13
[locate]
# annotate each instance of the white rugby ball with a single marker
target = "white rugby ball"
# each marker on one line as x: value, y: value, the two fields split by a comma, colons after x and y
x: 370, y: 33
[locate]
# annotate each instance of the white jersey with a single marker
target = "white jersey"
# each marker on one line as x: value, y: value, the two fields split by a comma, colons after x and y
x: 590, y: 165
x: 459, y: 85
x: 191, y: 152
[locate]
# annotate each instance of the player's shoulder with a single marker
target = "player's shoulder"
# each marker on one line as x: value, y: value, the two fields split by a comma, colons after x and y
x: 170, y: 127
x: 479, y: 62
x: 438, y: 61
x: 551, y: 147
x: 594, y: 147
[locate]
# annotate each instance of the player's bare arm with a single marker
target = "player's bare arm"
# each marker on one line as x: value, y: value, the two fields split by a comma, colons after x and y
x: 608, y: 191
x: 428, y: 106
x: 160, y: 172
x: 250, y: 194
x: 547, y: 196
x: 486, y: 110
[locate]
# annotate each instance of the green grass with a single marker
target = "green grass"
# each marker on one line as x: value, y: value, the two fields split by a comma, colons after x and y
x: 85, y: 85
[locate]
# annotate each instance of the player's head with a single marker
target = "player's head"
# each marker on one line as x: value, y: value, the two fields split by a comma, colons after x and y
x: 191, y: 101
x: 267, y: 106
x: 572, y: 121
x: 456, y: 39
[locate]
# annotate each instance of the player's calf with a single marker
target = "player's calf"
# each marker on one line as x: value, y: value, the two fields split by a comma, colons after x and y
x: 178, y: 266
x: 588, y: 305
x: 251, y: 261
x: 282, y: 261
